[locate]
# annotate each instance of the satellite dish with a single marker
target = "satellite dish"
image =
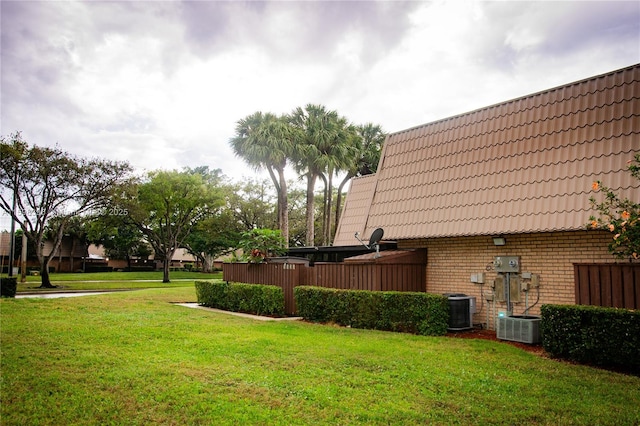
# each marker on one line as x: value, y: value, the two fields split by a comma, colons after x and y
x: 376, y: 237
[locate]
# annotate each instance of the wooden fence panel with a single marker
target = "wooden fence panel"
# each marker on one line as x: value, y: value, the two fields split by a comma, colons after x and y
x: 605, y: 287
x: 612, y: 285
x: 372, y: 277
x: 629, y: 288
x: 617, y: 296
x: 636, y: 280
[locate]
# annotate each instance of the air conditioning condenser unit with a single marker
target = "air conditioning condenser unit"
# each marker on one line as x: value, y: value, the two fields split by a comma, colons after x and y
x: 519, y: 328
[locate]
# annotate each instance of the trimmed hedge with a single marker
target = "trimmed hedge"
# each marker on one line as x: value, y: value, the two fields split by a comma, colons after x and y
x: 248, y: 298
x: 410, y: 312
x: 8, y: 286
x: 608, y: 337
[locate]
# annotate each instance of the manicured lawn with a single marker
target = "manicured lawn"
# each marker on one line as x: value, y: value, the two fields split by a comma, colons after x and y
x: 115, y: 280
x: 133, y: 358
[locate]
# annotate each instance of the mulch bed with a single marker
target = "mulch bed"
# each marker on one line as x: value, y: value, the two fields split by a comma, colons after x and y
x: 477, y: 333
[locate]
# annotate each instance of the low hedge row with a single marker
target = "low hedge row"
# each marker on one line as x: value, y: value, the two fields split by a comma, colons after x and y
x: 248, y: 298
x: 591, y: 334
x: 418, y: 313
x: 8, y: 286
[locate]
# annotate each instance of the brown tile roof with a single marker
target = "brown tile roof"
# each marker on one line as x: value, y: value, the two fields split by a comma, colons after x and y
x: 356, y: 207
x: 525, y: 165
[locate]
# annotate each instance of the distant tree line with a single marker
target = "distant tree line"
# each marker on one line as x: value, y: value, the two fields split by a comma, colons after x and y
x: 51, y: 193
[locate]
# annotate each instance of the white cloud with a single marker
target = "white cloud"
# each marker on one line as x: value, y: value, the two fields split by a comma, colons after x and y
x: 162, y: 84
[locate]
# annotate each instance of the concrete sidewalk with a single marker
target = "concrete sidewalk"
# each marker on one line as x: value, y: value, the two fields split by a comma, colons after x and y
x: 238, y: 314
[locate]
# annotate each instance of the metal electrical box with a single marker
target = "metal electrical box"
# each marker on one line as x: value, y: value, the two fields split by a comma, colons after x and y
x: 514, y: 288
x: 498, y: 285
x: 507, y: 264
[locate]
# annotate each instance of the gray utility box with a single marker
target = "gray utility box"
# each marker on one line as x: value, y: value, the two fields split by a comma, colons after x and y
x: 519, y: 328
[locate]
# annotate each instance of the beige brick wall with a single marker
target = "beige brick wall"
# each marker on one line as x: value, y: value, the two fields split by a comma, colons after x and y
x: 451, y: 261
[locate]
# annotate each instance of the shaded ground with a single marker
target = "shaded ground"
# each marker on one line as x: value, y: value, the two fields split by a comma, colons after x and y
x: 484, y: 334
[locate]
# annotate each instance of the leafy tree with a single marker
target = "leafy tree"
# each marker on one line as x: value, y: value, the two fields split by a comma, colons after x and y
x: 120, y: 238
x: 166, y: 207
x: 219, y: 233
x: 266, y: 141
x: 620, y: 216
x: 213, y: 237
x: 50, y: 183
x: 258, y: 244
x: 253, y: 205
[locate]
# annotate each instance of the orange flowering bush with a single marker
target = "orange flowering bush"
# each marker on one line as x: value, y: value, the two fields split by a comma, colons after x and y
x: 621, y: 217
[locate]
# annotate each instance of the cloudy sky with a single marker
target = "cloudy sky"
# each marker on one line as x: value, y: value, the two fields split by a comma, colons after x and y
x: 161, y: 84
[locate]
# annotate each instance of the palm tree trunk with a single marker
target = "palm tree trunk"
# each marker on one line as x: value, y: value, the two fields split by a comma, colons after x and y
x: 329, y: 207
x: 311, y: 183
x: 283, y: 201
x: 346, y: 179
x: 324, y: 208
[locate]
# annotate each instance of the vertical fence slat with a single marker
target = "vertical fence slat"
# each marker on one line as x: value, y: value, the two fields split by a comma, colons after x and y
x: 636, y: 286
x: 577, y: 283
x: 614, y: 285
x: 617, y: 294
x: 583, y: 285
x: 594, y: 286
x: 628, y: 287
x: 605, y: 286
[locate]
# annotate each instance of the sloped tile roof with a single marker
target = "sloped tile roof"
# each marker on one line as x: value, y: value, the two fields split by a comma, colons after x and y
x: 356, y: 207
x: 525, y: 165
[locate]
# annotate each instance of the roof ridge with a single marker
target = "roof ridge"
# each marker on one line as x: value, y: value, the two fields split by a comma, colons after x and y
x: 532, y: 95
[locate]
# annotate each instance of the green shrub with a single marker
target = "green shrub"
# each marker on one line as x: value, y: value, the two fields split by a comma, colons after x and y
x: 249, y: 298
x: 8, y: 286
x: 212, y: 293
x: 592, y: 334
x: 420, y: 313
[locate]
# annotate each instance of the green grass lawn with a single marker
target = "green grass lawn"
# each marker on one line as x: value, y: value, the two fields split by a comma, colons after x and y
x: 133, y: 358
x: 114, y: 280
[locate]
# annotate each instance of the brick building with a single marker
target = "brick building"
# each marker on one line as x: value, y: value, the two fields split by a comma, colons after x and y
x: 521, y: 170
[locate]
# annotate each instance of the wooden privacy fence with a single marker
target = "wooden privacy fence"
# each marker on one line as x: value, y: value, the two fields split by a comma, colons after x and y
x: 608, y: 284
x: 373, y: 277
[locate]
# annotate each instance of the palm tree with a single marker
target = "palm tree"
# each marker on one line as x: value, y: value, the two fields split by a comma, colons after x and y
x: 265, y: 141
x: 339, y: 157
x: 366, y: 155
x: 320, y: 145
